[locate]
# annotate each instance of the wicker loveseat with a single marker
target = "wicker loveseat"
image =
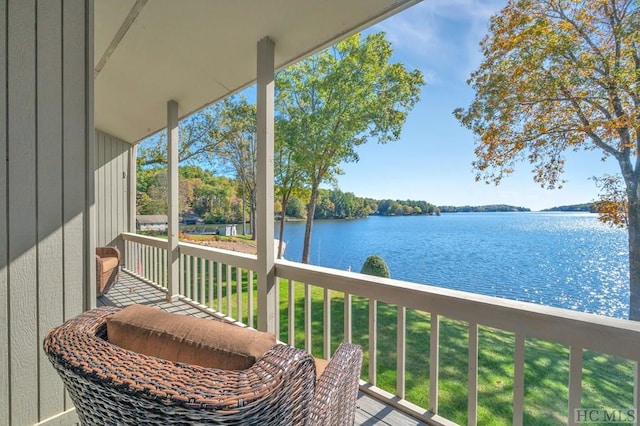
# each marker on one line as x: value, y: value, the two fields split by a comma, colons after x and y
x: 111, y: 385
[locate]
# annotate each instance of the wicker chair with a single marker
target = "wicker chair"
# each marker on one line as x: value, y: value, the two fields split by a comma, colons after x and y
x: 111, y: 385
x: 107, y: 268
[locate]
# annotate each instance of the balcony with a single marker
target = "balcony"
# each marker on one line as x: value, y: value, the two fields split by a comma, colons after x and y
x: 562, y: 361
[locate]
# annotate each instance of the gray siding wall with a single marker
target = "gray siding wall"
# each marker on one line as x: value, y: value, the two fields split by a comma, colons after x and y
x: 46, y: 152
x: 112, y: 159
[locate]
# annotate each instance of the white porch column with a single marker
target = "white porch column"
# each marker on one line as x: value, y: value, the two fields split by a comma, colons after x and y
x: 265, y: 222
x: 173, y: 254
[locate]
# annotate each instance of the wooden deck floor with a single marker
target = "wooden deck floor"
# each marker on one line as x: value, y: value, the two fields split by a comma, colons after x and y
x: 130, y: 290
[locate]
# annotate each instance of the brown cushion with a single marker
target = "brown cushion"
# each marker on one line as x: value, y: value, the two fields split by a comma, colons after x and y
x: 321, y: 365
x: 109, y: 263
x: 181, y: 338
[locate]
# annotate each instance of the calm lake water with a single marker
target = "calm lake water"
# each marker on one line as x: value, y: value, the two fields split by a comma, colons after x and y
x: 567, y: 260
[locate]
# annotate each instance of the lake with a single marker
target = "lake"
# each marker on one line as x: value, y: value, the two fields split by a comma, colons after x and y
x: 567, y: 260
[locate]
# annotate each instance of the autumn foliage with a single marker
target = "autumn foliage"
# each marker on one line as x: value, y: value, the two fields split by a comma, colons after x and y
x: 562, y: 75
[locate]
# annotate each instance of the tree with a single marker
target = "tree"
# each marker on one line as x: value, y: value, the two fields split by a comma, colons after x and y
x: 337, y: 100
x: 198, y: 143
x: 295, y: 208
x: 375, y: 265
x: 561, y: 75
x: 236, y: 129
x: 288, y: 175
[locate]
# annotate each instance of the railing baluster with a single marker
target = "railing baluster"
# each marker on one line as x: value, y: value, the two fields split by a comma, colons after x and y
x: 127, y: 255
x: 131, y: 264
x: 203, y: 278
x: 373, y: 340
x: 229, y: 290
x: 472, y: 407
x: 518, y: 381
x: 145, y: 262
x: 160, y: 259
x: 239, y: 293
x: 402, y: 346
x: 348, y: 318
x: 162, y: 267
x: 219, y: 287
x: 575, y: 382
x: 194, y: 278
x: 154, y: 252
x: 210, y: 275
x: 327, y: 324
x: 292, y: 313
x: 151, y: 266
x: 140, y: 260
x: 187, y: 262
x: 250, y: 298
x: 181, y: 273
x: 434, y: 363
x: 307, y: 318
x: 140, y: 253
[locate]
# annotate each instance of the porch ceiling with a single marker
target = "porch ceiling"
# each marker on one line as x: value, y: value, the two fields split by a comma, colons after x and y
x: 199, y: 51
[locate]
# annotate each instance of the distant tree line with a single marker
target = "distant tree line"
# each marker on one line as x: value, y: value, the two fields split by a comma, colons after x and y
x: 585, y: 207
x: 406, y: 208
x: 215, y: 199
x: 218, y: 199
x: 487, y: 208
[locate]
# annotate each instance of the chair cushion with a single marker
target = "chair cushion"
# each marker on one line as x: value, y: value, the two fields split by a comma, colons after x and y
x: 321, y: 365
x: 108, y: 263
x: 181, y: 338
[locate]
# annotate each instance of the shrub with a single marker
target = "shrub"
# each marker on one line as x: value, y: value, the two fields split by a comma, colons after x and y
x: 375, y: 265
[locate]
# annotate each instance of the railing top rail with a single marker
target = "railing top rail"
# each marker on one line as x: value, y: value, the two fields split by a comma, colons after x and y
x: 145, y: 239
x: 602, y: 334
x: 243, y: 260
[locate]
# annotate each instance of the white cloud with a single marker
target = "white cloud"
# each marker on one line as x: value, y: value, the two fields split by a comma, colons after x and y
x: 445, y: 31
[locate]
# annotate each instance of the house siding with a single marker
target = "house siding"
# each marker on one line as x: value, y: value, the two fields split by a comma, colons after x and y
x: 113, y: 157
x: 46, y: 151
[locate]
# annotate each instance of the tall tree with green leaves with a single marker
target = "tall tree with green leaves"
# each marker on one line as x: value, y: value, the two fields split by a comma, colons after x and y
x: 562, y: 75
x: 236, y: 131
x: 288, y: 175
x: 197, y: 144
x: 339, y: 99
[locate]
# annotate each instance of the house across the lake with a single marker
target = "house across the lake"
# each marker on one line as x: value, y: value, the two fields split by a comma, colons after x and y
x: 152, y: 222
x: 189, y: 219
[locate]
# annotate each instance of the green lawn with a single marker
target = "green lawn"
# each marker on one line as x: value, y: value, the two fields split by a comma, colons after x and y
x: 607, y: 381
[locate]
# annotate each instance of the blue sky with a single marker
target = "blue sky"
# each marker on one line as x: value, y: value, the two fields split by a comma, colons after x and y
x: 432, y: 159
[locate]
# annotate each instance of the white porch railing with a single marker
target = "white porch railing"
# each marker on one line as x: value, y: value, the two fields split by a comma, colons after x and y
x: 223, y: 281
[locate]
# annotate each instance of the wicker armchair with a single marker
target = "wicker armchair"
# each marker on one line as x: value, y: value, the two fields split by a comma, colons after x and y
x: 111, y: 385
x: 107, y: 268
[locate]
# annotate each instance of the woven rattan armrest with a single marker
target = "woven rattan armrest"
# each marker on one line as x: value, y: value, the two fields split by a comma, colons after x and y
x: 108, y: 251
x: 337, y: 389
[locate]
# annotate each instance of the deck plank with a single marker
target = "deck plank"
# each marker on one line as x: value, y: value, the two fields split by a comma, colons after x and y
x: 130, y: 290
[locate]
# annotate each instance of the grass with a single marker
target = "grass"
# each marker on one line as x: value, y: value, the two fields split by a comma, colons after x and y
x: 607, y: 381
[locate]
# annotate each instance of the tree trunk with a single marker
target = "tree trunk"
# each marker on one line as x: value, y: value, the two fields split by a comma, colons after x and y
x: 283, y: 216
x: 254, y: 205
x: 634, y: 258
x: 307, y: 231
